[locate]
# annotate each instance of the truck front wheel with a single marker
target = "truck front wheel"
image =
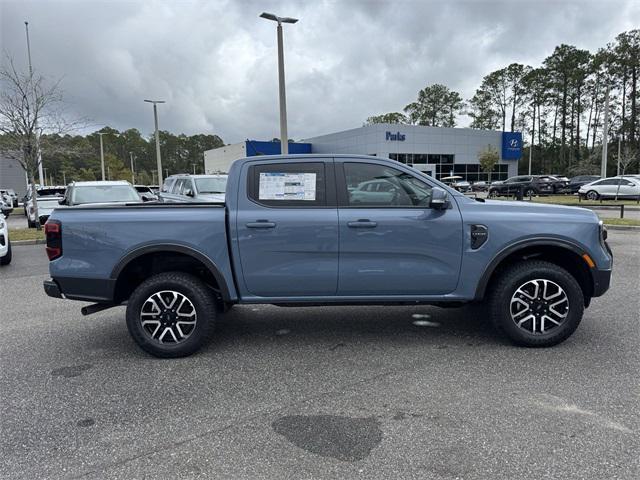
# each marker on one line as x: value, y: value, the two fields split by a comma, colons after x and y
x: 171, y: 314
x: 536, y: 304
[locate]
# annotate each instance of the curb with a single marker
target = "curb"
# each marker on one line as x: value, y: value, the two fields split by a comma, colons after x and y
x: 17, y: 243
x: 622, y: 227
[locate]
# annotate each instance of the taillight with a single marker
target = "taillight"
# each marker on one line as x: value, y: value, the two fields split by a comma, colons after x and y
x: 53, y: 233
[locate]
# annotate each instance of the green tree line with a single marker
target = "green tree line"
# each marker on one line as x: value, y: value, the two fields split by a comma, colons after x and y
x: 77, y: 157
x: 558, y: 105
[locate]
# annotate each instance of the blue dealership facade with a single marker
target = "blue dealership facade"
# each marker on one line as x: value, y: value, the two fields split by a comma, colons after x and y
x: 440, y: 152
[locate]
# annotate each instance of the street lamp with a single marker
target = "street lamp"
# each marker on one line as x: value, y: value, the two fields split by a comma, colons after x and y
x: 102, y: 150
x: 155, y: 118
x: 133, y: 175
x: 284, y: 145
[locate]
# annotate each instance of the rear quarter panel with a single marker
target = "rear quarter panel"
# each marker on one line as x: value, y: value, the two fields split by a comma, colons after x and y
x: 95, y: 239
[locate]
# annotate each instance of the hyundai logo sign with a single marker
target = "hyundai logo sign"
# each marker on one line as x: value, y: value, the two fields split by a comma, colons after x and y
x: 395, y: 137
x: 511, y: 145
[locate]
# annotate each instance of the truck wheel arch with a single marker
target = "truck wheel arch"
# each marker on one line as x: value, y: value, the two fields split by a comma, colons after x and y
x: 562, y: 252
x: 138, y: 254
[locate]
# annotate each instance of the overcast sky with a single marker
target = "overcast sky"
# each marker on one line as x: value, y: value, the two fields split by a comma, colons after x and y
x: 214, y: 62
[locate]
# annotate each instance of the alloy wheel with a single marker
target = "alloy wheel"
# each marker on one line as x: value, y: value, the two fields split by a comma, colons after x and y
x: 592, y: 195
x: 539, y: 306
x: 168, y: 317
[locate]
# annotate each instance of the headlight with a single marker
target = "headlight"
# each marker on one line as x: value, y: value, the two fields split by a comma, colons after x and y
x: 603, y: 231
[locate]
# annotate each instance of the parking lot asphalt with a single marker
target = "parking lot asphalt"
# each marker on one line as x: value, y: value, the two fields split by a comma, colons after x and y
x: 331, y: 392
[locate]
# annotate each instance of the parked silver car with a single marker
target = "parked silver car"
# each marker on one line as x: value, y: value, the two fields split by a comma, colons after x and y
x: 194, y: 188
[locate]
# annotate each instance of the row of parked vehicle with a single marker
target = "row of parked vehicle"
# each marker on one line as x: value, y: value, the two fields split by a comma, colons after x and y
x: 176, y: 188
x: 591, y: 187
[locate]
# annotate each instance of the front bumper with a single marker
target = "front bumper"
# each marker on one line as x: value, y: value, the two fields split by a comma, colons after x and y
x: 601, y: 281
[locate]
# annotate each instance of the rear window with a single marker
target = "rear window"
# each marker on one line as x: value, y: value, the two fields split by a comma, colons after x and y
x: 104, y: 194
x: 211, y: 185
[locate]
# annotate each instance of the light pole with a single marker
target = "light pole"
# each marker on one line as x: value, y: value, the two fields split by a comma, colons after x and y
x: 605, y: 136
x: 133, y: 177
x: 102, y: 151
x: 194, y: 168
x: 43, y: 179
x: 155, y: 118
x: 619, y: 145
x: 284, y: 140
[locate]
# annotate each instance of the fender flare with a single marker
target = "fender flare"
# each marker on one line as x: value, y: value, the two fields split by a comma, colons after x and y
x: 520, y: 245
x: 173, y: 247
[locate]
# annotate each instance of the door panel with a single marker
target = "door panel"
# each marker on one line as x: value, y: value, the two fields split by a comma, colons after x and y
x: 289, y: 250
x: 404, y: 248
x: 408, y: 252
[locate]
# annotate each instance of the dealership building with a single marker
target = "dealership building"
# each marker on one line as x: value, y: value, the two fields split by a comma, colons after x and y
x: 12, y: 175
x: 440, y: 152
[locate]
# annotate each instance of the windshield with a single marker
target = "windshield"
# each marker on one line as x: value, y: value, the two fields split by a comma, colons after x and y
x: 104, y: 194
x: 211, y: 185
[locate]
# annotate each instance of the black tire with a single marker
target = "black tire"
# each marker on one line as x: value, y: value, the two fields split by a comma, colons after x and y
x: 530, y: 192
x: 506, y: 287
x: 195, y: 291
x: 6, y: 260
x: 493, y: 194
x: 592, y: 195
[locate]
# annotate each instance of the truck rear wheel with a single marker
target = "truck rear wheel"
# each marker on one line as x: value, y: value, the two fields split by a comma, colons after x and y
x: 171, y: 314
x: 536, y: 304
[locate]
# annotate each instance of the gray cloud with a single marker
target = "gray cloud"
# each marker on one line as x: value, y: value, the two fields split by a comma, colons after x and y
x: 215, y: 63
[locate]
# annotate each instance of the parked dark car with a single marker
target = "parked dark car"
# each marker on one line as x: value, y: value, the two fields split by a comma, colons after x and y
x: 576, y: 182
x: 528, y: 184
x: 480, y: 186
x: 560, y: 183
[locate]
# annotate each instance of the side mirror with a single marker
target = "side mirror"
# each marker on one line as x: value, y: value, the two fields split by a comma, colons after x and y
x: 146, y: 198
x: 189, y: 193
x: 61, y: 201
x: 439, y: 199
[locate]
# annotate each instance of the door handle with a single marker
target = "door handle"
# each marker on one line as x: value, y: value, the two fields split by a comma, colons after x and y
x: 261, y: 224
x: 362, y: 224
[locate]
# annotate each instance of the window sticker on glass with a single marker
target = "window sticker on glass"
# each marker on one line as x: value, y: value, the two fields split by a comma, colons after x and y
x: 287, y: 186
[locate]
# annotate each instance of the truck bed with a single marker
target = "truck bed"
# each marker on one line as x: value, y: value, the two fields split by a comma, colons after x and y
x: 99, y: 240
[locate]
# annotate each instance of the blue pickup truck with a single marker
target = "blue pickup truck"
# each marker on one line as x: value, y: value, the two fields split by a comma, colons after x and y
x: 328, y: 230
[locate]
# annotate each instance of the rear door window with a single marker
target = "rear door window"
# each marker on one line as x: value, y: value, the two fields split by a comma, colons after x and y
x: 168, y: 183
x: 178, y: 186
x: 288, y: 184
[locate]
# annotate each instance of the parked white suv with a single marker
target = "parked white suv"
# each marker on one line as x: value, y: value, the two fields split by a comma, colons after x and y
x: 194, y: 188
x: 48, y: 198
x: 5, y: 243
